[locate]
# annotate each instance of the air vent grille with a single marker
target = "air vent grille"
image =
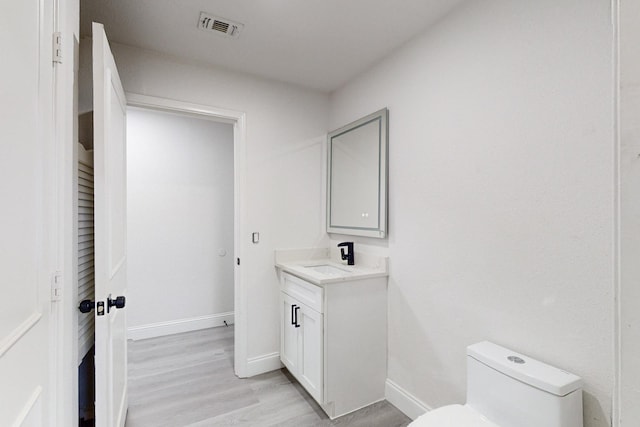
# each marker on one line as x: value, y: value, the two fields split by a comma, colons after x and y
x: 220, y: 26
x: 217, y: 25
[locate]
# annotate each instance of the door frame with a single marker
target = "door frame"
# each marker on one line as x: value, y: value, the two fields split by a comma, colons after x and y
x: 238, y: 120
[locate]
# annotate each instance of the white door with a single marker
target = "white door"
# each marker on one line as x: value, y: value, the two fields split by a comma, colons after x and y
x: 28, y: 213
x: 109, y: 147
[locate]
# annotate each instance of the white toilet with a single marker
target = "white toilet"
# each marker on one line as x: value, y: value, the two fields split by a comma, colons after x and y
x: 507, y: 389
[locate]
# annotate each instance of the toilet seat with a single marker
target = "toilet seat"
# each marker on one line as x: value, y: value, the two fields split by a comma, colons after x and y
x: 452, y: 416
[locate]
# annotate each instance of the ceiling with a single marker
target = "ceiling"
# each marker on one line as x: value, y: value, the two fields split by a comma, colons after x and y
x: 320, y: 44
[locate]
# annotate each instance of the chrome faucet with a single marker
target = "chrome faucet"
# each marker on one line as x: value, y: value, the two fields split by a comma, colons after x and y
x: 349, y: 255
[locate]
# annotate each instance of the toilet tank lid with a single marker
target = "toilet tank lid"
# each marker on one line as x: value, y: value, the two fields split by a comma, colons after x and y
x: 525, y: 369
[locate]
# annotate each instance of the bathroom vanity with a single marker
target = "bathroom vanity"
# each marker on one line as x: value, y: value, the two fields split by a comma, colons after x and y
x: 333, y: 326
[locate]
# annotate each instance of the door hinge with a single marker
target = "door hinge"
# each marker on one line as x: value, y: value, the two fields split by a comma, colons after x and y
x: 56, y: 286
x: 57, y: 48
x: 238, y: 261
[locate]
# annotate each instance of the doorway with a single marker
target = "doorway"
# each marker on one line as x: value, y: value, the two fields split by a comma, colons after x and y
x: 237, y: 121
x: 180, y: 217
x: 234, y: 121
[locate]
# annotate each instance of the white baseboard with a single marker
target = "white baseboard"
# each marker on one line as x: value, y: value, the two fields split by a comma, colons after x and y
x: 180, y: 325
x: 261, y: 364
x: 404, y: 401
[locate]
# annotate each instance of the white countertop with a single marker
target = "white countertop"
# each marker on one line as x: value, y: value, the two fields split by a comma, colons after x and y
x: 298, y: 261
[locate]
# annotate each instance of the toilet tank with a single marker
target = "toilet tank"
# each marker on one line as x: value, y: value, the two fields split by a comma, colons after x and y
x: 514, y: 390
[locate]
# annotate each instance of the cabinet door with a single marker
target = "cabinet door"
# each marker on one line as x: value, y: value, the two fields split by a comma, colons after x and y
x: 310, y: 356
x: 288, y: 333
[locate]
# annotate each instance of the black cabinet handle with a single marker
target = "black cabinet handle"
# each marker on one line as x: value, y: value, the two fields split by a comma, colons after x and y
x: 296, y: 317
x: 293, y: 314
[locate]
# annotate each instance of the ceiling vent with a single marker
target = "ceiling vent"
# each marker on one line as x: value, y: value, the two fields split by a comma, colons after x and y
x: 217, y: 25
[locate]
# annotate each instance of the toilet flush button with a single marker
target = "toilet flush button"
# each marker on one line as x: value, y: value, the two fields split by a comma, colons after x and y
x: 515, y: 359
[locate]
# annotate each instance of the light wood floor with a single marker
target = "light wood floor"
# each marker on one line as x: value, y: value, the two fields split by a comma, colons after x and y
x: 187, y: 380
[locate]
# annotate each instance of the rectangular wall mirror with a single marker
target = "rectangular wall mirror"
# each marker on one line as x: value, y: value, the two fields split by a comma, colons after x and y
x: 357, y: 177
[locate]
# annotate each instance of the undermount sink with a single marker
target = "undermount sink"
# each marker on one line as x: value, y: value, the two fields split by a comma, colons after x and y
x: 327, y: 269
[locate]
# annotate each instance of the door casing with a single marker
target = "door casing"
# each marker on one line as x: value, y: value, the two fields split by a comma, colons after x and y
x: 237, y: 119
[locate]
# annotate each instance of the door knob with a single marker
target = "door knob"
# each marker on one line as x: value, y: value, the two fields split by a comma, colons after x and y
x: 119, y: 302
x: 86, y: 306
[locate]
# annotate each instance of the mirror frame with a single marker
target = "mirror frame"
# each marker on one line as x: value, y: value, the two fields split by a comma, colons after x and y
x: 383, y: 146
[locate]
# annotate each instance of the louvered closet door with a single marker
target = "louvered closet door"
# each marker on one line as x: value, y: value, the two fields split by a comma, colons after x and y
x: 86, y: 262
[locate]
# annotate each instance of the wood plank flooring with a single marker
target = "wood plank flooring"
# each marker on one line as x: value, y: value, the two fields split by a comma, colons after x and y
x: 187, y: 380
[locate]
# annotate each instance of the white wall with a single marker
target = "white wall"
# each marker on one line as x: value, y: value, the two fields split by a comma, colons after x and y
x: 629, y: 325
x: 180, y: 216
x: 285, y: 128
x: 501, y: 192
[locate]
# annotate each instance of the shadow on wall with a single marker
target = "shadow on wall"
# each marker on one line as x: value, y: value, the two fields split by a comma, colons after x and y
x: 594, y: 416
x: 422, y: 371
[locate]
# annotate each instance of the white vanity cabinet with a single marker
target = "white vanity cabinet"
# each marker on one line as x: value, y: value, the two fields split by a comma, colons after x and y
x: 334, y: 340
